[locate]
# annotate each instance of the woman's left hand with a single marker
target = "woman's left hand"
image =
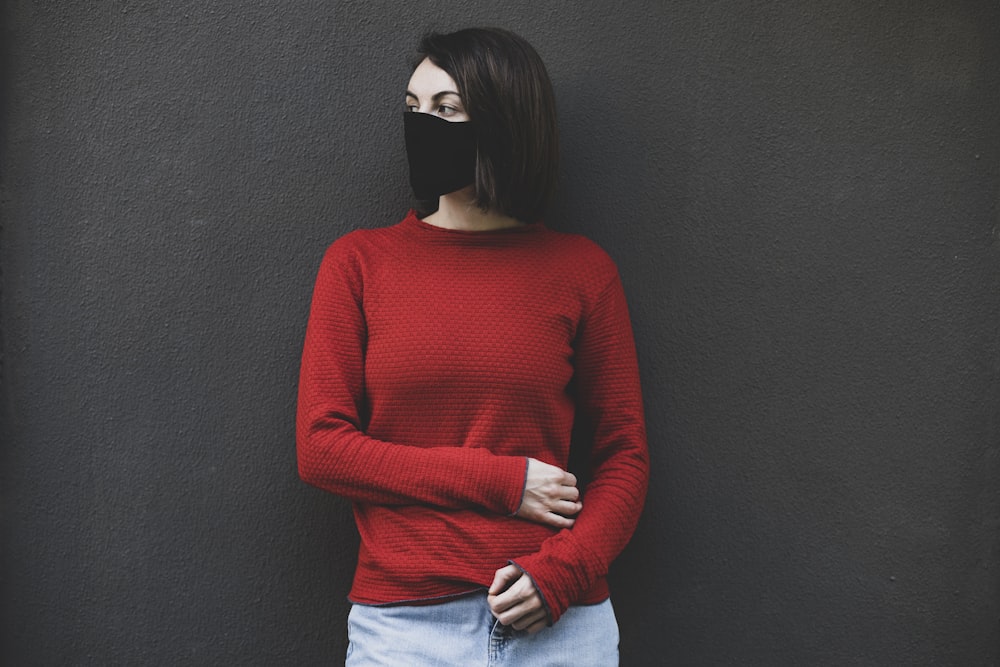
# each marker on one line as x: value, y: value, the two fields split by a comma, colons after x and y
x: 515, y: 601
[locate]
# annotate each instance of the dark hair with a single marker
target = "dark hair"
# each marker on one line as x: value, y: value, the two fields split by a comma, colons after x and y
x: 508, y: 96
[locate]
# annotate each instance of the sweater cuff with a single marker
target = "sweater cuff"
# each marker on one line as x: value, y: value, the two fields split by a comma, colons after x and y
x: 503, y: 483
x: 524, y: 485
x: 559, y: 581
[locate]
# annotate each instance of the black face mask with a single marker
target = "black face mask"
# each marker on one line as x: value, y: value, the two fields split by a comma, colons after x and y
x: 442, y: 154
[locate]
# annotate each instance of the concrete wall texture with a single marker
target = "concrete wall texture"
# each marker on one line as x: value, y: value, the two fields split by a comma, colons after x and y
x: 803, y: 202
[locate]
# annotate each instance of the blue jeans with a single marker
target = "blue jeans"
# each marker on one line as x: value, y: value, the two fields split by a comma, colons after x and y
x: 463, y: 632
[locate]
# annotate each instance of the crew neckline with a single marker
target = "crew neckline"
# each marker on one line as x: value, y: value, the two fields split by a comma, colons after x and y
x: 416, y: 222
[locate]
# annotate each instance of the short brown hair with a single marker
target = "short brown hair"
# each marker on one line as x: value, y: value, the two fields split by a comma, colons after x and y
x: 508, y: 96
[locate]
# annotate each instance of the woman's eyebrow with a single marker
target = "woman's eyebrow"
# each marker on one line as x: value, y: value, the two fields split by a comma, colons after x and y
x: 436, y: 96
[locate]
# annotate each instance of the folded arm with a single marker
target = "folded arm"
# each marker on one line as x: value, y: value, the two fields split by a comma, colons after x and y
x: 336, y: 455
x: 608, y: 395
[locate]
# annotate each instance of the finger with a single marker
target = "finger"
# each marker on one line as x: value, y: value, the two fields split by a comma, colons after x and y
x: 556, y: 520
x: 570, y: 493
x: 569, y: 479
x: 538, y: 625
x: 503, y: 578
x: 505, y: 609
x: 520, y: 594
x: 526, y: 609
x: 567, y: 508
x: 528, y: 620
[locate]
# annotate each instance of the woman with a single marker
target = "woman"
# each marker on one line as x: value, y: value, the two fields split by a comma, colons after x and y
x: 446, y: 361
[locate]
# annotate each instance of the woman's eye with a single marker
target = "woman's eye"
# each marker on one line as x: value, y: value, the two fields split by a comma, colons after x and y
x: 412, y: 107
x: 446, y: 110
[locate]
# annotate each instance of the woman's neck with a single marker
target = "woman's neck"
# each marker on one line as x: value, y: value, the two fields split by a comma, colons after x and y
x: 458, y: 210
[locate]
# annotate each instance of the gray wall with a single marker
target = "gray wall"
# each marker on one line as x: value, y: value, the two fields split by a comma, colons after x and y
x: 803, y: 201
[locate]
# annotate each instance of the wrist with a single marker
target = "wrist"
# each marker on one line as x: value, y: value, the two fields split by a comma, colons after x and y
x: 524, y: 485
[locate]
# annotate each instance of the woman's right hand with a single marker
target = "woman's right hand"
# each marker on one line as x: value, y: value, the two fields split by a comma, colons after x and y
x: 550, y: 495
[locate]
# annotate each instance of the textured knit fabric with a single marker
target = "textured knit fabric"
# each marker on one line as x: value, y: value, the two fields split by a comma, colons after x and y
x: 435, y: 363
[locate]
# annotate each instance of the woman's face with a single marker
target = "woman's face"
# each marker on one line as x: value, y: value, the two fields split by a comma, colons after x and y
x: 431, y: 90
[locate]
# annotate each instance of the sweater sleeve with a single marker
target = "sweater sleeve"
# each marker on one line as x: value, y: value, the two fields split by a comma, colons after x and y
x: 607, y: 381
x: 333, y: 451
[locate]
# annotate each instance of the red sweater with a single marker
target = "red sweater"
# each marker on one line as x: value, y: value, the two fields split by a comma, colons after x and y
x: 435, y: 362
